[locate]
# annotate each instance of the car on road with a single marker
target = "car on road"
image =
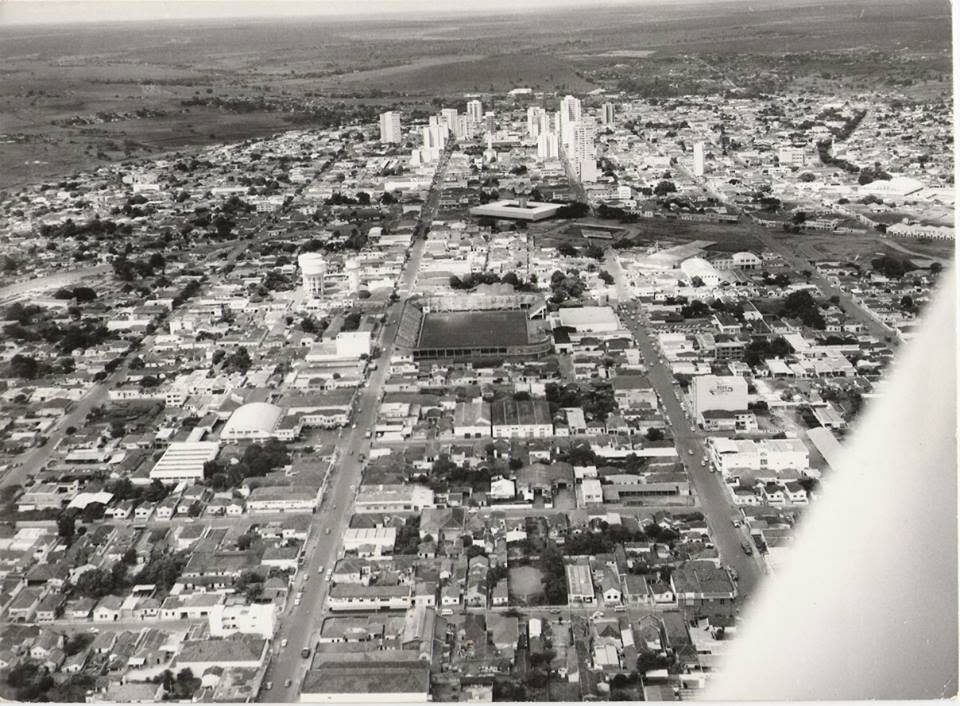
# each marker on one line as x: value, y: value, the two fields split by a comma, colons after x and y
x: 690, y: 452
x: 287, y: 683
x: 268, y: 686
x: 283, y: 642
x: 736, y: 523
x: 326, y: 531
x: 555, y: 611
x: 320, y: 570
x: 747, y: 549
x: 305, y: 652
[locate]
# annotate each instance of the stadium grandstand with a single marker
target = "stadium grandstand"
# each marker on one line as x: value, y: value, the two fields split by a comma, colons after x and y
x: 470, y: 327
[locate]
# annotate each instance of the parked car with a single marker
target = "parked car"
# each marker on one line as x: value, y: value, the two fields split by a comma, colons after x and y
x: 747, y: 549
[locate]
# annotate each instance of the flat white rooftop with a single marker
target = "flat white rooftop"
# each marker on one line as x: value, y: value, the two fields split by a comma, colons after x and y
x: 517, y: 210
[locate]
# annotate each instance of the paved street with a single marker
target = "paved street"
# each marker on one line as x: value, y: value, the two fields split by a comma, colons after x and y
x: 713, y: 496
x: 300, y: 624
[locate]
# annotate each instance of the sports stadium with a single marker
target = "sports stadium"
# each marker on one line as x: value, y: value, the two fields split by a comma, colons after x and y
x: 442, y: 328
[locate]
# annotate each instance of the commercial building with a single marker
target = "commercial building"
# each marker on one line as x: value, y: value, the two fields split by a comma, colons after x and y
x: 393, y: 498
x: 200, y: 655
x: 727, y: 393
x: 472, y: 420
x: 521, y: 418
x: 282, y: 499
x: 184, y: 461
x: 580, y: 584
x: 236, y: 615
x: 356, y: 596
x: 390, y: 127
x: 370, y: 542
x: 767, y: 455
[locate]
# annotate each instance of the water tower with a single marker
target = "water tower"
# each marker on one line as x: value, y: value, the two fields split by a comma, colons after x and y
x: 314, y: 267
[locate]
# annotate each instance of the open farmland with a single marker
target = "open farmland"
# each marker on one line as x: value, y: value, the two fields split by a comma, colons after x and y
x: 72, y: 98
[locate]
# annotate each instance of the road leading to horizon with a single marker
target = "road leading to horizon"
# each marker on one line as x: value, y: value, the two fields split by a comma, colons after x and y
x: 300, y: 624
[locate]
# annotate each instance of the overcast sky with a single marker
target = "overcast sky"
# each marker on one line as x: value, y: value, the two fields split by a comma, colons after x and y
x: 66, y: 11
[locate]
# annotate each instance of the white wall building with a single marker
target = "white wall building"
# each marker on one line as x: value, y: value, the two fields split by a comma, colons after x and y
x: 390, y: 131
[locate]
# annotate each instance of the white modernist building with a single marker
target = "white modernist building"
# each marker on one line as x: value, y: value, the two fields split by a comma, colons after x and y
x: 184, y: 461
x: 313, y: 267
x: 774, y: 455
x: 516, y: 210
x: 390, y: 127
x: 256, y: 421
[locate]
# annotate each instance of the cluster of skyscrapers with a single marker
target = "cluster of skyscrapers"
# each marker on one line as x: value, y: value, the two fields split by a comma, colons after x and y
x: 566, y: 133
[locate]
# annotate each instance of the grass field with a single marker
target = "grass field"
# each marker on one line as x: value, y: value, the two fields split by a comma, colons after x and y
x: 473, y: 329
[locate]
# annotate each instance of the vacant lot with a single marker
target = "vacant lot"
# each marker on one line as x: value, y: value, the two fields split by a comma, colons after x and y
x: 526, y: 583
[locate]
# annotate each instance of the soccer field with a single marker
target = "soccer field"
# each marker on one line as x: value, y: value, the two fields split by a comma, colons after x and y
x: 473, y: 329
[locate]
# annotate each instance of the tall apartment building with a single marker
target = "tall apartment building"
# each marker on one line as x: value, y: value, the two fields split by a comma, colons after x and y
x: 567, y: 117
x: 606, y: 114
x: 548, y: 146
x: 536, y: 121
x: 698, y: 159
x: 584, y: 157
x: 475, y: 111
x: 490, y: 122
x: 448, y: 117
x: 390, y: 127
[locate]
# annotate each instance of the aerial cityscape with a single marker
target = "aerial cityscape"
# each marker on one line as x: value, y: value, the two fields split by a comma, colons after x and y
x: 409, y: 359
